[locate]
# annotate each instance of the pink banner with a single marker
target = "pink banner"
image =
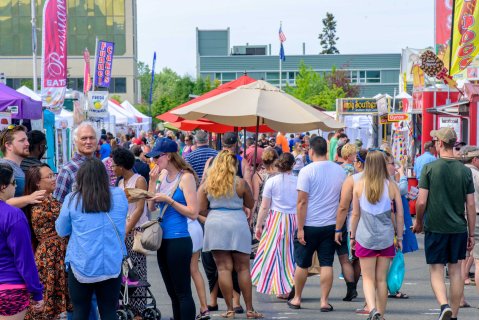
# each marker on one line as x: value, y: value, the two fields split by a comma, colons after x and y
x: 443, y: 29
x: 86, y: 72
x: 54, y: 54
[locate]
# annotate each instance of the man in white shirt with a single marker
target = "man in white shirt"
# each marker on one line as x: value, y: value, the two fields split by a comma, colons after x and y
x: 319, y: 188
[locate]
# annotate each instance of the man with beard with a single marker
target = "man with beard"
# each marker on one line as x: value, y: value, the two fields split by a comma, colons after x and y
x: 14, y: 146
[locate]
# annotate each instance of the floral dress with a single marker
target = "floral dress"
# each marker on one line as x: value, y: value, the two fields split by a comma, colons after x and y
x: 50, y: 260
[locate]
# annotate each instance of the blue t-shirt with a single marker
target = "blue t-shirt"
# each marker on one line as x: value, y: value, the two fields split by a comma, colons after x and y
x: 174, y: 224
x: 18, y: 175
x: 105, y: 151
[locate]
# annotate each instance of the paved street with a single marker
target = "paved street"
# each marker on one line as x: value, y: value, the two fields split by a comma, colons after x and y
x: 420, y: 306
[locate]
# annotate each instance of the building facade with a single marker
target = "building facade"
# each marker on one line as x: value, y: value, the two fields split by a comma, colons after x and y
x: 373, y: 73
x: 110, y: 20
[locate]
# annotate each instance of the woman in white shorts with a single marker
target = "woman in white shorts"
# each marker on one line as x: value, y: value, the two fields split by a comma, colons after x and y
x: 196, y: 234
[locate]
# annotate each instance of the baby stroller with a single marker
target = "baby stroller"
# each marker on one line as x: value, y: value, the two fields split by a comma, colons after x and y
x: 128, y: 286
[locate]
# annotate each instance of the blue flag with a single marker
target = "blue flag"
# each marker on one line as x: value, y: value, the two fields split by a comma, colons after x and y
x: 152, y: 78
x: 282, y: 57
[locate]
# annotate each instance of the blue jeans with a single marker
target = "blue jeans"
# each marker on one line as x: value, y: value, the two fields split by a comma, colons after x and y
x: 93, y: 311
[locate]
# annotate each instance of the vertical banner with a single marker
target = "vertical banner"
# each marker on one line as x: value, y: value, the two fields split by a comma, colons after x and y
x: 97, y: 105
x: 443, y: 29
x: 86, y: 72
x: 152, y: 81
x: 54, y: 54
x: 104, y: 63
x: 465, y: 36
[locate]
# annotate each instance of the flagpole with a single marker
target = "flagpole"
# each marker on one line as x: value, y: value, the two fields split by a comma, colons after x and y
x: 280, y: 59
x: 280, y: 72
x: 34, y: 45
x: 151, y: 83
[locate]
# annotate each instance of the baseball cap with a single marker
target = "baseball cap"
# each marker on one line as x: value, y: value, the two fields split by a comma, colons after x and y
x: 137, y: 141
x: 229, y: 139
x: 163, y: 145
x: 446, y: 134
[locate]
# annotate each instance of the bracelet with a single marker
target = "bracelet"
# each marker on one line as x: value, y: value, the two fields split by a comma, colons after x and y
x: 472, y: 236
x: 338, y: 230
x: 172, y: 202
x: 399, y: 239
x: 352, y: 238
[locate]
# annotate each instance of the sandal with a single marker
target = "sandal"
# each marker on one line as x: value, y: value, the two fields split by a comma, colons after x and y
x: 251, y: 314
x: 398, y: 295
x: 228, y: 314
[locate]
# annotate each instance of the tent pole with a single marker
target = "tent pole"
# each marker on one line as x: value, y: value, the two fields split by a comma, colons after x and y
x: 255, y: 145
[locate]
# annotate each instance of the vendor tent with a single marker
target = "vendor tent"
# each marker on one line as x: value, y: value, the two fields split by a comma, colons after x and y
x: 120, y: 116
x: 142, y: 119
x: 27, y: 108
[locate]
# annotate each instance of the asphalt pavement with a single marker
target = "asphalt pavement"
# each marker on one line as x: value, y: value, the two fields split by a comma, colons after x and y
x: 421, y: 305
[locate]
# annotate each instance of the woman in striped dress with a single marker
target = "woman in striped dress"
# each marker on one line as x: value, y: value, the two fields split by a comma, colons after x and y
x: 273, y: 266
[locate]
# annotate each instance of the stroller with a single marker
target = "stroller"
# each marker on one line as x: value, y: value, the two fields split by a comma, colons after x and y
x: 129, y: 285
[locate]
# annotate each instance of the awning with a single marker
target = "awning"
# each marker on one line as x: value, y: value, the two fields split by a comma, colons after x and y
x: 449, y: 109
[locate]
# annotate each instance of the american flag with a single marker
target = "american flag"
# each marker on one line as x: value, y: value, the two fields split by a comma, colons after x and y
x: 282, y: 37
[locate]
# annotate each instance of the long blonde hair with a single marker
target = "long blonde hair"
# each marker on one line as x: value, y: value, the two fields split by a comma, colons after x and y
x: 375, y: 173
x: 220, y: 178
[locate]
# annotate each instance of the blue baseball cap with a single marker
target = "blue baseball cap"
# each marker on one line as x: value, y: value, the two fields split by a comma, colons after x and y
x: 162, y: 145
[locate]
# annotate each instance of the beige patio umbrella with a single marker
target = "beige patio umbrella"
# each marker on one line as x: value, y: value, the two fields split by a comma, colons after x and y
x: 260, y: 103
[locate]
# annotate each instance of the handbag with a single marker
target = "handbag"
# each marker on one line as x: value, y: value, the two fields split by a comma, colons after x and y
x: 137, y: 246
x: 152, y: 233
x: 396, y: 273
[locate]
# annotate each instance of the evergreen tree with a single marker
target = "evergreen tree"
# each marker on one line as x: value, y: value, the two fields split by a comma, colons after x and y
x: 328, y: 36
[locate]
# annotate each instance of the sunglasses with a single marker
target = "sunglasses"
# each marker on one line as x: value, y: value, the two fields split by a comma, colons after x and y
x: 14, y: 183
x: 380, y: 150
x: 161, y: 155
x: 4, y: 132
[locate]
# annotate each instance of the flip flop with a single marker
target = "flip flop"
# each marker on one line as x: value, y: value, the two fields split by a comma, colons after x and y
x: 465, y: 305
x: 329, y: 309
x: 293, y: 306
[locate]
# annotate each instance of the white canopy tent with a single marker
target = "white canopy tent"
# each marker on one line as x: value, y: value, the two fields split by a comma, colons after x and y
x: 143, y: 121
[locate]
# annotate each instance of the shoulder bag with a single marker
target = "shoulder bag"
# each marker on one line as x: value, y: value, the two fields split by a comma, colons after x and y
x: 152, y: 233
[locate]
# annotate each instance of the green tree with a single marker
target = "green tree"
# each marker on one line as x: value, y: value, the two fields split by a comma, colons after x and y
x: 328, y: 36
x: 340, y: 79
x: 315, y: 88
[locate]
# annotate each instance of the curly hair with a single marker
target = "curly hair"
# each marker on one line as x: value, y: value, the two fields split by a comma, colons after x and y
x: 347, y: 150
x: 220, y: 179
x: 269, y: 156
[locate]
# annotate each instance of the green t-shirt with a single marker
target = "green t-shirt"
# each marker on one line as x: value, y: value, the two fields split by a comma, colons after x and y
x: 448, y: 182
x: 333, y: 144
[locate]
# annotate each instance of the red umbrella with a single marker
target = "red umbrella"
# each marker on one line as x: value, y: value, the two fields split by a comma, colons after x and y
x: 169, y: 117
x: 190, y: 125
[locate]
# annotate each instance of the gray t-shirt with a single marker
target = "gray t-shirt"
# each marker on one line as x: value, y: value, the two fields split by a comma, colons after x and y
x: 19, y: 177
x: 322, y: 181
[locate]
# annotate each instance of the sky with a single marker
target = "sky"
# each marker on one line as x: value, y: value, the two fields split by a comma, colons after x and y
x: 363, y: 26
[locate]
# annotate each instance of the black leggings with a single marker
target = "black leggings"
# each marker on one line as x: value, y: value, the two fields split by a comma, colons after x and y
x: 174, y: 258
x: 107, y: 295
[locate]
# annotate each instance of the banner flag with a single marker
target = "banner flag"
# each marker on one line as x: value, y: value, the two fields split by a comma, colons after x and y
x: 97, y: 105
x: 86, y: 72
x: 465, y: 36
x: 104, y: 63
x: 152, y: 80
x: 443, y: 29
x: 54, y: 54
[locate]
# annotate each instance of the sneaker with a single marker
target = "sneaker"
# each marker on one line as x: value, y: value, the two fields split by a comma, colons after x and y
x: 205, y: 315
x: 446, y: 313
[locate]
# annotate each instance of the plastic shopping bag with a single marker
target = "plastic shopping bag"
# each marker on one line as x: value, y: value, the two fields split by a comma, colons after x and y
x: 396, y: 273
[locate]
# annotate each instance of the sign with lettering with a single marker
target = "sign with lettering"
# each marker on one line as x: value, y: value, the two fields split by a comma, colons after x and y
x: 358, y: 106
x: 54, y: 54
x: 97, y: 104
x: 397, y: 117
x: 452, y: 122
x: 104, y: 63
x: 5, y: 119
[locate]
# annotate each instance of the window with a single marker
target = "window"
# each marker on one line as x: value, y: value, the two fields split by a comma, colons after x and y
x: 365, y: 76
x: 118, y: 85
x: 87, y: 19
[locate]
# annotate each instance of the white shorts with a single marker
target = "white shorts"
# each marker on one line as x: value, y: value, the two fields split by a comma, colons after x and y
x: 196, y: 234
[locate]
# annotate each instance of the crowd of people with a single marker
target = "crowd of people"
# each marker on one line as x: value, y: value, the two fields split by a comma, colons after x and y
x: 288, y: 204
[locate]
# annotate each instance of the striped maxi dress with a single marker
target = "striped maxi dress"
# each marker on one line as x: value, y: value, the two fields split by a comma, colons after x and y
x: 273, y: 266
